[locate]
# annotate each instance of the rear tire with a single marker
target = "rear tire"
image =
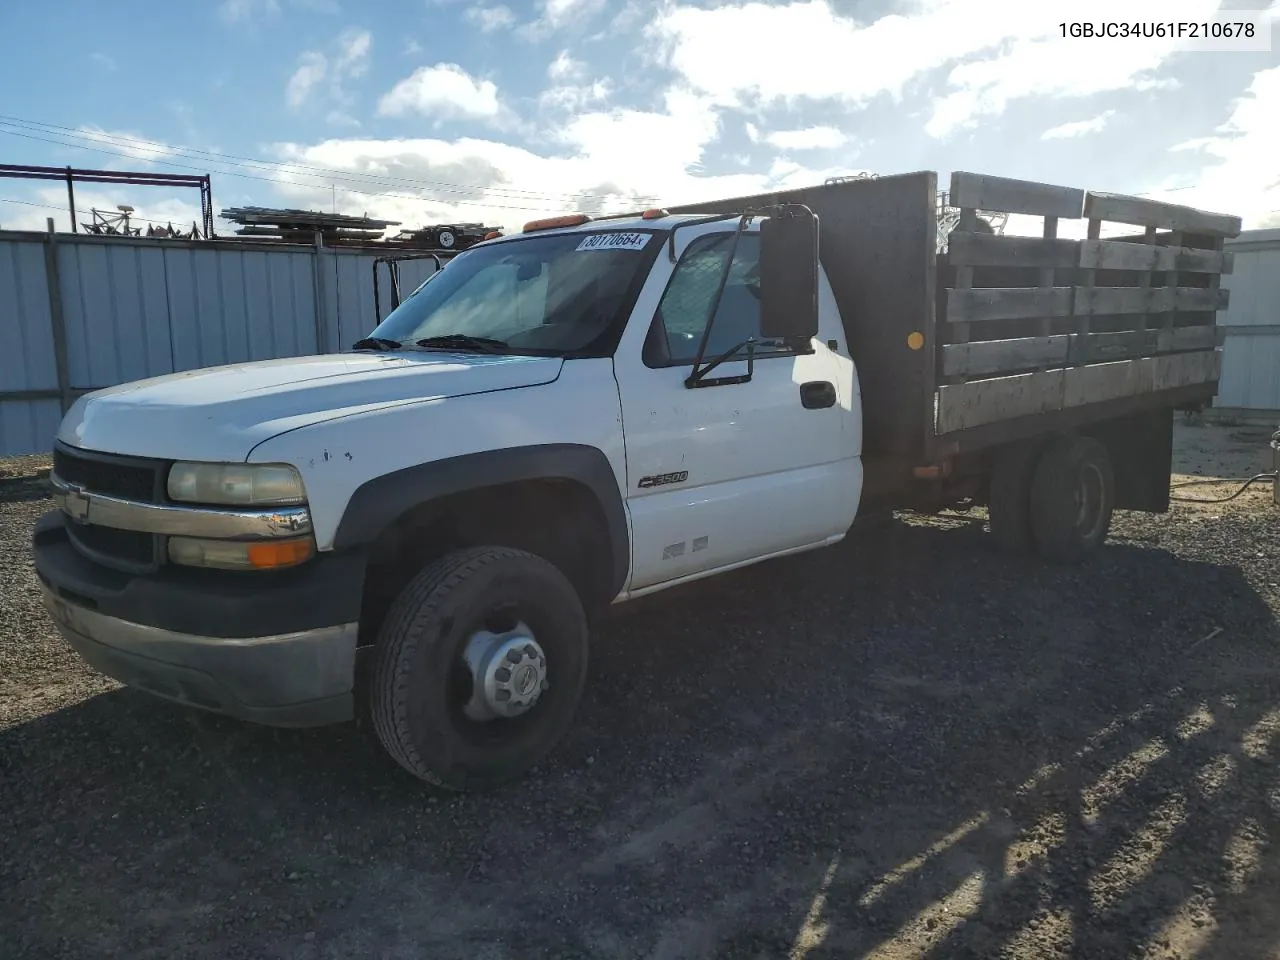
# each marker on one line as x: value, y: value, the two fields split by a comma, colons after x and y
x: 1072, y: 498
x: 1009, y: 499
x: 421, y: 687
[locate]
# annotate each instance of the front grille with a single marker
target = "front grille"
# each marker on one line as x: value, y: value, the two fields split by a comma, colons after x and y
x: 114, y: 476
x: 124, y: 548
x: 128, y: 478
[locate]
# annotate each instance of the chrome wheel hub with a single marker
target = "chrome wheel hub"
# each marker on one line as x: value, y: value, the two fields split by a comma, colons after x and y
x: 508, y: 673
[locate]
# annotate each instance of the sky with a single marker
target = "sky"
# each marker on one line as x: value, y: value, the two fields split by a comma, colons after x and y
x: 437, y: 111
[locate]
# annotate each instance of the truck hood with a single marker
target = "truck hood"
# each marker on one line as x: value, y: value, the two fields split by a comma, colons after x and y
x: 222, y: 413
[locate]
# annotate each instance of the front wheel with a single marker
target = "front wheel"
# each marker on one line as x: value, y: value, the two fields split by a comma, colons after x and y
x: 479, y: 668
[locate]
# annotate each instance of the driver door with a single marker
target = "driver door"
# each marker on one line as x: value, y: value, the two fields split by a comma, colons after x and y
x: 719, y: 476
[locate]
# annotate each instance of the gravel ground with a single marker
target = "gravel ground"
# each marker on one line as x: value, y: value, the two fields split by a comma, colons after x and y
x: 902, y: 746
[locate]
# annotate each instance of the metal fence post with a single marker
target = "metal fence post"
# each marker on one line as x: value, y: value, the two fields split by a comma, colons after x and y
x: 317, y: 273
x: 57, y: 319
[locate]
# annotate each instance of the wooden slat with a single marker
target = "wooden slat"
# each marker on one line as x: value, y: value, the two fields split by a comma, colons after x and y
x: 1204, y: 261
x: 1109, y: 381
x: 962, y: 406
x: 1215, y: 280
x: 1014, y: 196
x: 995, y: 356
x: 1144, y: 281
x: 1121, y: 255
x: 988, y: 250
x: 1087, y: 277
x: 1164, y: 216
x: 1047, y: 275
x: 1007, y: 303
x: 964, y: 276
x: 1096, y: 301
x: 1171, y: 282
x: 1002, y: 356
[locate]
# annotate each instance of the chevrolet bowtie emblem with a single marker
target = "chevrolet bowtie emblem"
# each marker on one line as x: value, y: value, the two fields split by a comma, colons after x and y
x: 75, y: 503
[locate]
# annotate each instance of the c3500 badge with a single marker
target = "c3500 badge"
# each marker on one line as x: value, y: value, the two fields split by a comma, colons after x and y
x: 662, y: 479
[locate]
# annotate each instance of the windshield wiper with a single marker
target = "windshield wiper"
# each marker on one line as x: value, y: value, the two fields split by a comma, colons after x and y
x: 376, y: 343
x: 465, y: 341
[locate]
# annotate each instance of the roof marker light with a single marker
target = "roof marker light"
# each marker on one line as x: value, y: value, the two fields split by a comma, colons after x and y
x: 571, y: 220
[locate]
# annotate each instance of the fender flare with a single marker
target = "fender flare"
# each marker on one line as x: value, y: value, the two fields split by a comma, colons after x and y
x: 376, y: 503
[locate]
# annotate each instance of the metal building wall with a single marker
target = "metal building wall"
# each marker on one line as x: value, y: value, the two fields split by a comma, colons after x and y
x: 1250, y: 381
x: 116, y: 309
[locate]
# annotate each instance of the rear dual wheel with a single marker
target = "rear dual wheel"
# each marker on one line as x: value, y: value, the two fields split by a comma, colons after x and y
x: 479, y: 668
x: 1054, y: 498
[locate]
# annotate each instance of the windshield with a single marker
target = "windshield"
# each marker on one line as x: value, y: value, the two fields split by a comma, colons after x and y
x: 554, y: 294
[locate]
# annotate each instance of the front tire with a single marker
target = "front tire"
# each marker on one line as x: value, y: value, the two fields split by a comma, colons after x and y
x: 1072, y: 498
x: 464, y: 620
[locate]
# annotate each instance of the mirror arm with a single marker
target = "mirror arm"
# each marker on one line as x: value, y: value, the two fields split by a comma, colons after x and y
x: 699, y: 378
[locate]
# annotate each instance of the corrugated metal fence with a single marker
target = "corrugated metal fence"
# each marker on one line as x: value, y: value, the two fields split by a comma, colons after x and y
x: 80, y: 313
x: 1251, y: 351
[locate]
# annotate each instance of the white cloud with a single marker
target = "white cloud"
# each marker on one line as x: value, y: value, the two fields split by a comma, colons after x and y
x: 1078, y: 128
x: 1243, y: 178
x: 353, y: 52
x: 564, y: 67
x: 412, y: 47
x: 753, y: 132
x: 489, y: 19
x: 444, y: 91
x: 350, y: 60
x: 810, y: 138
x: 312, y: 67
x: 558, y: 15
x: 128, y: 144
x: 340, y: 118
x: 248, y: 11
x: 592, y: 164
x: 1011, y: 50
x: 104, y: 61
x: 558, y: 12
x: 245, y: 11
x: 572, y: 97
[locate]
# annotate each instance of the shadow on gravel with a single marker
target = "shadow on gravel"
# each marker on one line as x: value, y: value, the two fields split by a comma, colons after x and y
x: 22, y: 488
x: 901, y: 746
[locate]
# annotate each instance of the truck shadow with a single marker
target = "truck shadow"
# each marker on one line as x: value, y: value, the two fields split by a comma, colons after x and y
x: 900, y: 746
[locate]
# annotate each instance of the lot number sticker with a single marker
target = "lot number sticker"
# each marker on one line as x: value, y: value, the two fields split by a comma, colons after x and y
x: 615, y: 241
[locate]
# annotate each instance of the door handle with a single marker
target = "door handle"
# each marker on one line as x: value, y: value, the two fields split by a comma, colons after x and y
x: 817, y: 394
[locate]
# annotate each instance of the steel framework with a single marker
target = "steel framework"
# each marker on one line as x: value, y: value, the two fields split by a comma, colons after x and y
x: 70, y: 175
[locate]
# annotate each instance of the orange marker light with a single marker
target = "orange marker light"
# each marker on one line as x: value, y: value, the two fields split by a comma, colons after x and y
x: 572, y: 220
x: 281, y: 553
x: 493, y: 235
x: 654, y: 213
x: 915, y: 340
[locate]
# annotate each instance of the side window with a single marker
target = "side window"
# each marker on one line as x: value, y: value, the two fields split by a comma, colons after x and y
x: 682, y: 313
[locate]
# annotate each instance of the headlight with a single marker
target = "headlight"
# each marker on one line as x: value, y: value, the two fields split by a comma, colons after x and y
x: 240, y: 555
x: 236, y: 484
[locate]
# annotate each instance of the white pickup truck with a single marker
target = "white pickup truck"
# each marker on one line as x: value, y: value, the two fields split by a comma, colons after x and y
x: 593, y: 410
